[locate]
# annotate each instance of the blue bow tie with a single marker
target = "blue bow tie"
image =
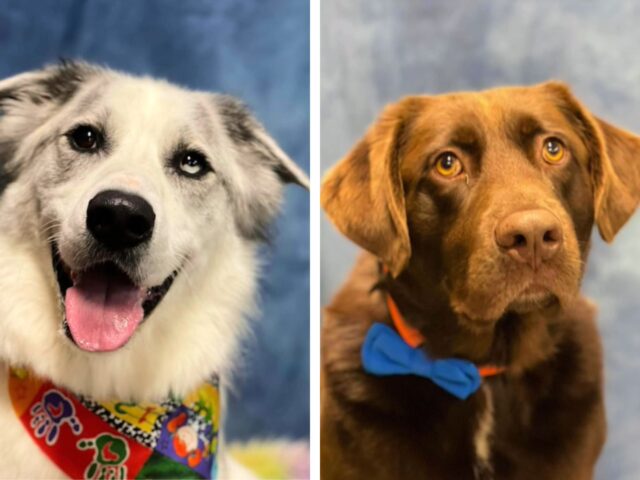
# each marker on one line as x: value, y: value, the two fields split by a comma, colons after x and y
x: 385, y: 353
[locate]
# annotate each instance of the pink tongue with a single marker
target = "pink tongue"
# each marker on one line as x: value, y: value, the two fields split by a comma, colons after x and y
x: 103, y: 309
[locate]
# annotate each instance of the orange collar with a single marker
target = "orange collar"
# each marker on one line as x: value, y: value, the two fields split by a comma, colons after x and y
x: 414, y: 338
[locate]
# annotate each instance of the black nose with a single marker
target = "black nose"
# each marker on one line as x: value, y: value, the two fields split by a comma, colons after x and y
x: 120, y: 220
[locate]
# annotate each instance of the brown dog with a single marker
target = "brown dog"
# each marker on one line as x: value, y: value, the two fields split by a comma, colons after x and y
x: 480, y: 206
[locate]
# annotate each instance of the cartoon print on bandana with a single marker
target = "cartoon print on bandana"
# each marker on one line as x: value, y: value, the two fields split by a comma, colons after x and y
x: 186, y: 437
x: 49, y: 416
x: 177, y: 438
x: 144, y: 426
x: 110, y: 454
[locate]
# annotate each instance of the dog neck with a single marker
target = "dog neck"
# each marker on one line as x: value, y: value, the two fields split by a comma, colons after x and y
x: 516, y: 340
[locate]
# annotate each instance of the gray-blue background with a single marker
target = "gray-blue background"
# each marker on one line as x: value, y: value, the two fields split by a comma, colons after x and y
x: 374, y: 51
x: 258, y: 51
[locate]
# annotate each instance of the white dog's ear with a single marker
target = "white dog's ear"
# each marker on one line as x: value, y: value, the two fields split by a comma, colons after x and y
x: 249, y: 135
x: 27, y: 100
x: 38, y: 91
x: 264, y: 165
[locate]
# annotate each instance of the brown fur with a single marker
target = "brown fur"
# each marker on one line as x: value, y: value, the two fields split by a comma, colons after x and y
x: 544, y: 417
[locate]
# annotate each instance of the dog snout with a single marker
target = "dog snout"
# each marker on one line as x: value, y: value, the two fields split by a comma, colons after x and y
x: 120, y: 220
x: 530, y: 236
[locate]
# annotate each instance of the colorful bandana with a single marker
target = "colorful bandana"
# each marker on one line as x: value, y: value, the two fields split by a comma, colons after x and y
x: 177, y: 438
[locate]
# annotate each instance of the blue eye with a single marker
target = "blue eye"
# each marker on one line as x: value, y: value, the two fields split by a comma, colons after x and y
x: 192, y: 164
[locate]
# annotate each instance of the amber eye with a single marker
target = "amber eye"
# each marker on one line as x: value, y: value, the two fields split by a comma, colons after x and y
x: 448, y: 165
x: 553, y: 150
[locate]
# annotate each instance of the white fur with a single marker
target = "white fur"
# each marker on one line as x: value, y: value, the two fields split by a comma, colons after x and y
x: 196, y: 329
x: 482, y: 437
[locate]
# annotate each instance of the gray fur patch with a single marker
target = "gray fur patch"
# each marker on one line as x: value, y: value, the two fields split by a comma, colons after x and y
x: 241, y: 127
x: 64, y: 81
x: 6, y: 97
x: 252, y: 218
x: 237, y: 119
x: 7, y: 150
x: 255, y: 213
x: 59, y: 84
x: 51, y: 86
x: 256, y: 224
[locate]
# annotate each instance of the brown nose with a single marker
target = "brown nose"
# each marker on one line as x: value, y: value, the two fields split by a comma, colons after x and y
x: 530, y: 236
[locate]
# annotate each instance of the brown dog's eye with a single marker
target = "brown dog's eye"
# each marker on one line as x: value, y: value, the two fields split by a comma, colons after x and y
x: 448, y: 165
x: 553, y: 151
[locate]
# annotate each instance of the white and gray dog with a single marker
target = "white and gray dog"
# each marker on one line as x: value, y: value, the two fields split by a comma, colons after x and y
x: 131, y: 211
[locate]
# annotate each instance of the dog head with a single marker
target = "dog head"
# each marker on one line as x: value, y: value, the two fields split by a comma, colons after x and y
x: 492, y: 196
x: 147, y: 200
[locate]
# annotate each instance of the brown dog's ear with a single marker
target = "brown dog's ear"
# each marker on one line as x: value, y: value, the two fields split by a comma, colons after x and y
x: 363, y: 194
x: 615, y: 164
x: 618, y: 184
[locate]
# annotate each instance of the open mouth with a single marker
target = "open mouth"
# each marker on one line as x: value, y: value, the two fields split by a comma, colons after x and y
x: 103, y: 307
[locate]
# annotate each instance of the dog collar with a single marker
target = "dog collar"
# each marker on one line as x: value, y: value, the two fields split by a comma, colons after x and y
x: 414, y: 338
x: 177, y: 438
x: 386, y: 351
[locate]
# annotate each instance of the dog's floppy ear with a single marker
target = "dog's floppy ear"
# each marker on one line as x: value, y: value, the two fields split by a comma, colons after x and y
x: 265, y: 164
x: 615, y: 163
x: 27, y: 100
x: 247, y: 133
x: 41, y: 89
x: 363, y: 194
x: 618, y: 182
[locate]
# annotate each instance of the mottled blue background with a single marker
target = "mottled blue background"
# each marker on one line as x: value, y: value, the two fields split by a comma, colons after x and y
x: 375, y: 51
x: 258, y: 51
